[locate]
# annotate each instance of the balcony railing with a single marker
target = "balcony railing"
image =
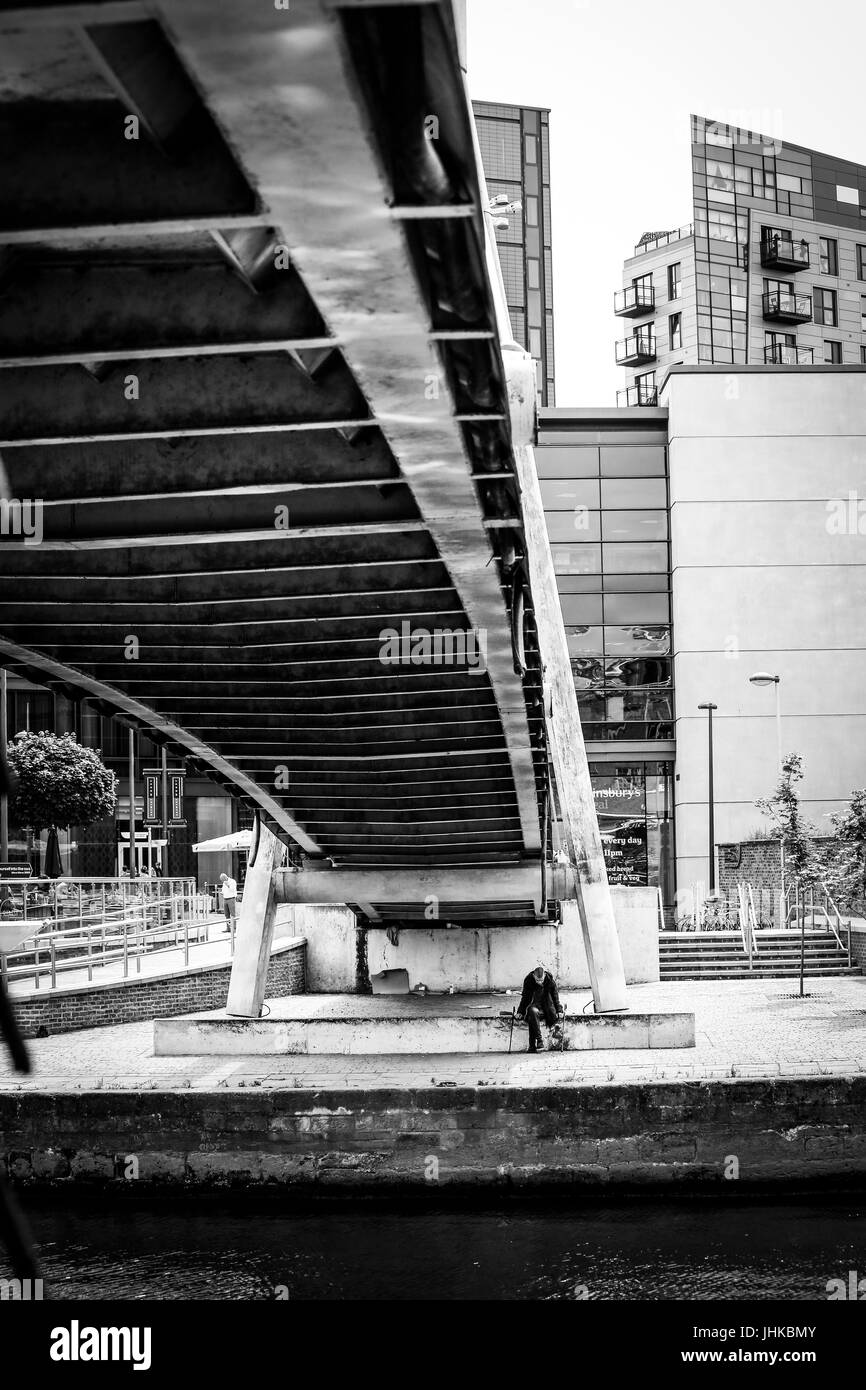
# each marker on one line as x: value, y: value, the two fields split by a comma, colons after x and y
x: 636, y: 300
x: 664, y: 239
x: 786, y: 355
x: 781, y: 306
x: 637, y: 348
x: 638, y: 395
x: 779, y: 251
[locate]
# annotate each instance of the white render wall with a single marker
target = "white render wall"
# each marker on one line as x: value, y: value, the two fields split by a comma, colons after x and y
x: 760, y: 461
x: 472, y: 958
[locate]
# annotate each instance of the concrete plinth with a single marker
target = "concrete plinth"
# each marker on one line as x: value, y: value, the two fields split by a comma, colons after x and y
x: 357, y: 1025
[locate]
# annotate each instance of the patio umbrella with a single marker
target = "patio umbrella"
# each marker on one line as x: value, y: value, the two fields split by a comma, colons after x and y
x: 53, y: 862
x: 240, y: 840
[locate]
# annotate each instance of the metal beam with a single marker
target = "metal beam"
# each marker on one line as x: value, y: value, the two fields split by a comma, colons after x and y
x: 323, y: 182
x: 166, y: 729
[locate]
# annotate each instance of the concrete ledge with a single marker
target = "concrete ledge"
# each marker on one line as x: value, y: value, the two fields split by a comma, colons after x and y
x: 403, y: 1029
x: 729, y: 1135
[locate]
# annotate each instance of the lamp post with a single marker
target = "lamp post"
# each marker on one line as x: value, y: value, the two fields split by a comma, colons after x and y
x: 709, y: 707
x: 761, y: 679
x: 764, y: 678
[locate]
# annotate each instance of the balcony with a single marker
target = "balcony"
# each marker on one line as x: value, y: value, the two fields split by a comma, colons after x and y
x: 780, y: 252
x: 781, y: 306
x: 640, y: 347
x: 638, y: 395
x: 634, y: 301
x: 786, y: 355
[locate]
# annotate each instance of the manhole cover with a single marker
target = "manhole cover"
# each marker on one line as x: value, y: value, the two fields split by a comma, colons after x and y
x: 796, y: 996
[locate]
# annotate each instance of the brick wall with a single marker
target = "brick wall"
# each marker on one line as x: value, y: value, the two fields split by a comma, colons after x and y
x: 758, y: 862
x: 130, y: 1001
x: 778, y: 1131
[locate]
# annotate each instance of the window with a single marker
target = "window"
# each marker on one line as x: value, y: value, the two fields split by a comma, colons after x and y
x: 644, y: 285
x: 531, y: 212
x: 675, y: 332
x: 675, y: 280
x: 863, y: 313
x: 826, y: 311
x: 722, y: 225
x: 863, y: 357
x: 790, y: 183
x: 847, y: 195
x: 829, y: 253
x: 634, y: 526
x: 861, y: 262
x: 833, y: 352
x: 633, y: 492
x: 530, y: 144
x: 533, y: 271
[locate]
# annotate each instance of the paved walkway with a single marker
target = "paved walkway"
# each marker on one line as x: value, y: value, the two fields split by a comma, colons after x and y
x: 750, y: 1028
x: 212, y: 950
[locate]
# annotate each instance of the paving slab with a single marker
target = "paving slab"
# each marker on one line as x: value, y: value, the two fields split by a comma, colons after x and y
x: 744, y: 1029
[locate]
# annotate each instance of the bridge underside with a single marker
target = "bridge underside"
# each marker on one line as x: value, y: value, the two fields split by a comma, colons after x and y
x: 251, y: 373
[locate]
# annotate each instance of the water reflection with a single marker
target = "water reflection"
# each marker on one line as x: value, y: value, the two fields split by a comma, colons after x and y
x: 688, y: 1248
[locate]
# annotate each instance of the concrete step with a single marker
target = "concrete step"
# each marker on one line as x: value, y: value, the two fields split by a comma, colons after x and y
x: 762, y: 972
x: 361, y: 1025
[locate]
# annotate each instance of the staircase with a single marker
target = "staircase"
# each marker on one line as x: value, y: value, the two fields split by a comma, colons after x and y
x: 719, y: 955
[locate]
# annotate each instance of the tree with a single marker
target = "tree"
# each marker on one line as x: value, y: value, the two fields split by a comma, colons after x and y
x: 849, y: 868
x: 59, y: 782
x: 798, y: 838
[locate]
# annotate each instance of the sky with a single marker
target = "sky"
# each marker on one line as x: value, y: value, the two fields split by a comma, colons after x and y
x: 621, y: 78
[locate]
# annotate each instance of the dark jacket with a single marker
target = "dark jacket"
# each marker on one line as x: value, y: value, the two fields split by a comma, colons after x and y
x: 549, y: 998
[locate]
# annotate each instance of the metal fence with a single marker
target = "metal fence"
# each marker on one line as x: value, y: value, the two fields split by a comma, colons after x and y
x: 81, y: 923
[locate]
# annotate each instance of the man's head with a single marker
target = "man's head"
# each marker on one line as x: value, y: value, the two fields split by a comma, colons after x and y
x: 539, y: 973
x: 224, y: 878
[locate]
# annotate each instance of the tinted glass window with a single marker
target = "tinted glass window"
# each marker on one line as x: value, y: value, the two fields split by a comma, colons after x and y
x: 576, y: 559
x: 566, y: 494
x: 634, y: 492
x: 581, y: 608
x: 626, y: 559
x: 636, y: 608
x: 629, y: 461
x: 576, y: 525
x: 635, y: 526
x: 566, y: 463
x: 584, y: 641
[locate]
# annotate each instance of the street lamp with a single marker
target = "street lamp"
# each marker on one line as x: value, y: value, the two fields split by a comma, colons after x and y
x: 709, y: 707
x: 761, y: 679
x: 764, y: 678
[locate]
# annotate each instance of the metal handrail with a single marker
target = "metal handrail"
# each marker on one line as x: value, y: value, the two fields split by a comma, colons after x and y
x: 136, y: 917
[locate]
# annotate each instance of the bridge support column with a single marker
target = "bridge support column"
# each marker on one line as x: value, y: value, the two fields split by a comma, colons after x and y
x: 255, y: 930
x: 565, y: 736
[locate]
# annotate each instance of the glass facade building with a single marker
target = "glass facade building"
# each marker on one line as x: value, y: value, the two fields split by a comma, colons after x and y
x: 515, y: 153
x: 603, y: 478
x: 772, y: 271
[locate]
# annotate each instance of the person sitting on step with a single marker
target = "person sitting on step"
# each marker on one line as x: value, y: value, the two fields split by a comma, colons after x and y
x: 540, y: 999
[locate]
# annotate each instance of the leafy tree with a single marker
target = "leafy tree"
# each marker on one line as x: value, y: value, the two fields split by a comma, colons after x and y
x: 786, y: 815
x: 797, y: 835
x: 60, y: 783
x: 849, y: 868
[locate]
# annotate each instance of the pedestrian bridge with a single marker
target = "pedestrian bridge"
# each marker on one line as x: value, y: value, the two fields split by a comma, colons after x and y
x: 267, y: 445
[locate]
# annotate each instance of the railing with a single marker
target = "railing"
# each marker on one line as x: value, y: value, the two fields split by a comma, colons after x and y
x: 786, y: 355
x: 781, y: 249
x: 664, y: 238
x: 79, y: 924
x: 636, y: 345
x: 638, y: 395
x: 785, y: 304
x: 636, y: 298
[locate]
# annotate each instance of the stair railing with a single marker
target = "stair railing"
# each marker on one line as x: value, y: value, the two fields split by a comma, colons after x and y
x: 835, y: 925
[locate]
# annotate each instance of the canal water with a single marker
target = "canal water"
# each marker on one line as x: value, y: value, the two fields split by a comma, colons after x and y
x: 675, y: 1248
